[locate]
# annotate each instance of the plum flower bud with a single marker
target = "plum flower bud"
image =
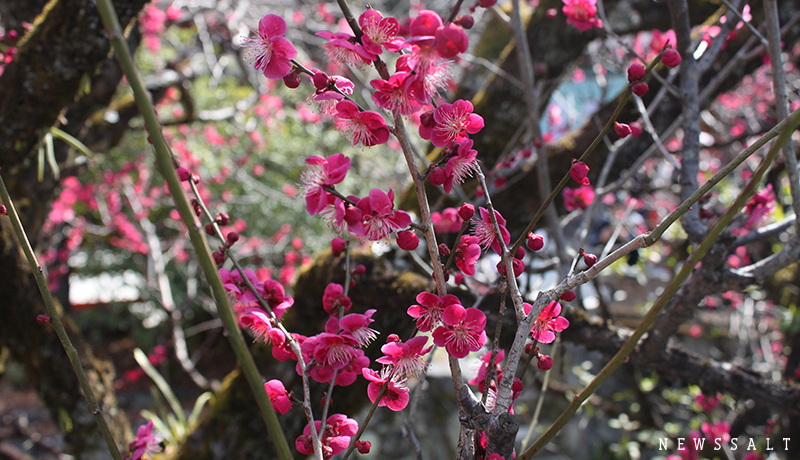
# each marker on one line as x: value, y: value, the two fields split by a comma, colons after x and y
x: 407, y: 240
x: 520, y: 254
x: 636, y: 72
x: 622, y: 129
x: 210, y: 230
x: 589, y: 259
x: 671, y: 58
x: 636, y: 129
x: 393, y: 338
x: 465, y: 21
x: 578, y: 171
x: 363, y: 447
x: 222, y: 218
x: 219, y: 257
x: 517, y: 264
x: 183, y: 174
x: 528, y: 348
x: 3, y: 210
x: 535, y: 242
x: 426, y: 119
x: 359, y: 270
x: 545, y: 362
x: 466, y: 211
x: 43, y: 319
x: 568, y: 296
x: 232, y: 237
x: 444, y: 250
x: 438, y: 176
x: 321, y: 80
x: 640, y: 89
x: 337, y: 246
x: 292, y: 80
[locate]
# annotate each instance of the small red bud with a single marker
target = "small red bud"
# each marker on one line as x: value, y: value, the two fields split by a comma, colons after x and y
x: 222, y: 218
x: 535, y: 242
x: 195, y: 178
x: 589, y: 259
x: 636, y: 72
x: 232, y: 237
x: 363, y: 447
x: 393, y: 338
x: 520, y: 254
x: 292, y: 80
x: 352, y: 283
x: 43, y: 319
x: 407, y: 240
x: 516, y: 387
x: 545, y: 362
x: 528, y: 348
x: 458, y: 278
x: 210, y: 230
x: 219, y: 257
x: 465, y: 21
x: 3, y: 210
x: 321, y: 80
x: 360, y: 270
x: 438, y: 176
x: 671, y: 58
x: 426, y: 119
x: 337, y: 246
x: 183, y: 174
x: 466, y: 211
x: 568, y: 296
x: 444, y: 250
x: 640, y: 89
x: 622, y: 129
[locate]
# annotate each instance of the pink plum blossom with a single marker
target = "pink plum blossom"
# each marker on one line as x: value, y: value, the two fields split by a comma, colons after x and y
x: 392, y: 94
x: 396, y: 396
x: 467, y: 254
x: 270, y: 51
x: 453, y: 122
x: 379, y: 219
x: 379, y: 32
x: 325, y: 95
x: 480, y: 379
x: 407, y: 358
x: 343, y: 47
x: 278, y: 396
x: 235, y: 285
x: 461, y: 165
x: 333, y: 298
x: 430, y: 309
x: 335, y: 439
x: 367, y: 128
x: 259, y: 322
x: 451, y: 41
x: 578, y: 198
x: 462, y: 332
x: 547, y: 323
x: 322, y: 172
x: 484, y: 230
x: 146, y: 443
x: 348, y: 374
x: 582, y: 14
x: 357, y: 325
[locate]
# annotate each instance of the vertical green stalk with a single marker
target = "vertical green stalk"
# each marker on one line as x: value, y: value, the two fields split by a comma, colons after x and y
x: 72, y: 353
x: 671, y: 289
x: 167, y: 169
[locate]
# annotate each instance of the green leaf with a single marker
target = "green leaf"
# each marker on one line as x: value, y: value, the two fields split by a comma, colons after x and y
x: 162, y: 384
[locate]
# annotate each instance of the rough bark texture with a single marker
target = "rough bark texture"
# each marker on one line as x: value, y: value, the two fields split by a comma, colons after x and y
x: 66, y: 43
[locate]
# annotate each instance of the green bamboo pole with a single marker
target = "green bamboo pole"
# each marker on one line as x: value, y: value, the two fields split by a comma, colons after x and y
x: 55, y: 320
x: 168, y: 170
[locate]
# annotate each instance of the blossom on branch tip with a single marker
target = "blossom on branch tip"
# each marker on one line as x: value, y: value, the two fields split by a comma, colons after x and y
x: 278, y: 396
x: 270, y: 51
x: 367, y: 128
x: 547, y: 323
x: 380, y: 32
x: 462, y: 332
